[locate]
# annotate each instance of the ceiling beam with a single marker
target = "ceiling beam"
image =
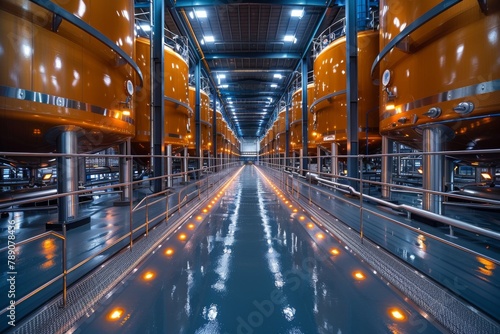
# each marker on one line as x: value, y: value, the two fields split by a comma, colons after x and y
x: 253, y: 55
x: 201, y: 3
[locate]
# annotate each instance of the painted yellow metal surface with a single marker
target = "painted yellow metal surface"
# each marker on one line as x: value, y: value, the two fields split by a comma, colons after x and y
x: 65, y: 77
x: 330, y: 105
x: 452, y: 59
x: 295, y: 119
x: 205, y: 118
x: 281, y: 131
x: 177, y: 114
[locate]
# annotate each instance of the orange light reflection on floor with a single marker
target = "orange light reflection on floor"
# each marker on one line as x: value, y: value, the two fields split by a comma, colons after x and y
x: 115, y: 314
x: 359, y: 275
x: 397, y: 314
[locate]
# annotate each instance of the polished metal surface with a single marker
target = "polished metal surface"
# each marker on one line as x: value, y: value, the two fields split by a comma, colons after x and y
x: 434, y: 140
x: 67, y: 171
x: 27, y: 95
x: 92, y: 31
x: 454, y: 94
x: 387, y: 162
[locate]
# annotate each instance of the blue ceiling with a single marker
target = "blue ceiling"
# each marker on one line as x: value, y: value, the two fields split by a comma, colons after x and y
x: 249, y: 63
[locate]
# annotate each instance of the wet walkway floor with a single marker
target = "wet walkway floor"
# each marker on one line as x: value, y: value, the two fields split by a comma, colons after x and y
x: 253, y: 267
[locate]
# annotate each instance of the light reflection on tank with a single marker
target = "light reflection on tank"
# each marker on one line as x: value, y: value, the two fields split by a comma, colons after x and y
x: 295, y: 119
x: 459, y: 50
x: 177, y: 114
x: 205, y: 121
x: 330, y: 106
x: 65, y: 77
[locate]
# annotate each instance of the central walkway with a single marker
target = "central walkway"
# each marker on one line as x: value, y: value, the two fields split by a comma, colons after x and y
x: 252, y: 267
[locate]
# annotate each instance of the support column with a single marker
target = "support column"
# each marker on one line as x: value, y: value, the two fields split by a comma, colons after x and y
x: 197, y: 117
x: 67, y: 176
x: 287, y: 133
x: 305, y: 111
x: 387, y: 166
x: 157, y: 88
x: 434, y: 138
x: 352, y: 91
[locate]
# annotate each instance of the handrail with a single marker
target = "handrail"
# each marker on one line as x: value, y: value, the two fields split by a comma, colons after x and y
x: 79, y: 23
x: 415, y: 229
x: 36, y: 237
x: 63, y: 275
x: 427, y: 214
x: 433, y: 12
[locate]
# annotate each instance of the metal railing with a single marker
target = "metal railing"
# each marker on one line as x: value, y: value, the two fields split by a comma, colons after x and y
x: 209, y: 177
x: 474, y: 241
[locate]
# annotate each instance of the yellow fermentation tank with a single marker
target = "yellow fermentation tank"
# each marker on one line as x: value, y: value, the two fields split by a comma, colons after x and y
x: 295, y: 119
x: 270, y: 140
x: 205, y: 121
x: 445, y: 74
x: 330, y: 106
x: 281, y: 131
x: 177, y: 111
x: 56, y: 77
x: 221, y: 134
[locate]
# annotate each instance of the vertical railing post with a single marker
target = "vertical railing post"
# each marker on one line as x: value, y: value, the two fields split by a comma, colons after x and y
x: 147, y: 217
x: 131, y: 212
x: 166, y: 207
x: 65, y: 266
x: 360, y: 164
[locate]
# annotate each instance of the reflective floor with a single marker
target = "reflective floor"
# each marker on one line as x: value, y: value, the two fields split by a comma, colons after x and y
x: 253, y: 266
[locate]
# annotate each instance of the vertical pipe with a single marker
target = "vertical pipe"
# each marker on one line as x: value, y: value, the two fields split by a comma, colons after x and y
x: 125, y: 171
x: 492, y: 172
x: 352, y: 91
x: 477, y: 173
x: 67, y: 175
x: 185, y: 165
x: 318, y: 159
x: 387, y: 166
x: 433, y: 167
x: 305, y: 135
x: 301, y: 159
x: 449, y: 178
x: 82, y: 173
x: 169, y: 165
x: 293, y: 160
x: 335, y: 160
x: 158, y: 108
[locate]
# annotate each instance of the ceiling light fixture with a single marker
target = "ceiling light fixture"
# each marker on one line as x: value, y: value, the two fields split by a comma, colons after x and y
x: 297, y: 13
x: 290, y: 38
x: 209, y: 39
x: 201, y: 14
